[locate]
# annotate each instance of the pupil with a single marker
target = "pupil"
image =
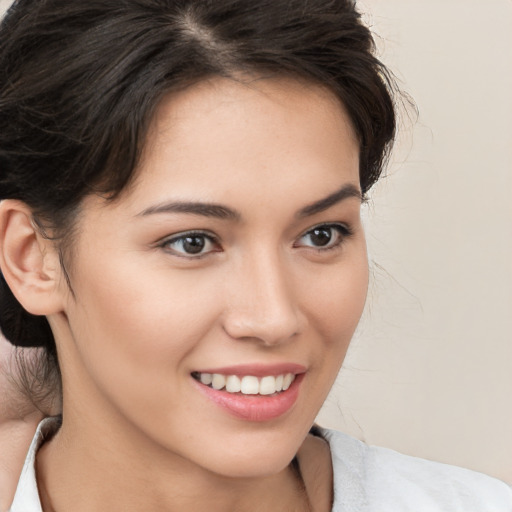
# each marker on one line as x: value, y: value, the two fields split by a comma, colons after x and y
x: 321, y: 236
x: 193, y: 244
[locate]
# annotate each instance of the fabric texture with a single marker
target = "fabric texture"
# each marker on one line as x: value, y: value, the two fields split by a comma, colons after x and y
x: 374, y: 479
x: 366, y: 479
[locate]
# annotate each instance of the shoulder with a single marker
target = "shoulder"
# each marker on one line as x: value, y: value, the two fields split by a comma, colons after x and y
x: 26, y: 498
x: 377, y: 479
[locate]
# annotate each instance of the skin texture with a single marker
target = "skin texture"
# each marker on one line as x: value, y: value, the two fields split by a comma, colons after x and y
x: 144, y: 315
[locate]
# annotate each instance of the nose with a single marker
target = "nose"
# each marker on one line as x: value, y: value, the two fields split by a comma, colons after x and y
x: 262, y: 302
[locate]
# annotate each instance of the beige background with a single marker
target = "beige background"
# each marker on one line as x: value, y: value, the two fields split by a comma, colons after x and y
x: 429, y: 372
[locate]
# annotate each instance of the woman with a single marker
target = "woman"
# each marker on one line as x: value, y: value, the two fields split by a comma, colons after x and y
x: 180, y: 230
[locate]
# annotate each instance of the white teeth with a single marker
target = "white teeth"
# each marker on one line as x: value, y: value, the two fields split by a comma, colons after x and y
x: 287, y: 381
x: 206, y: 378
x: 279, y: 382
x: 267, y: 385
x: 248, y: 385
x: 233, y: 384
x: 218, y: 381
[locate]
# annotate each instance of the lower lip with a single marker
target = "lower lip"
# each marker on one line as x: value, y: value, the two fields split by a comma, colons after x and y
x: 254, y: 407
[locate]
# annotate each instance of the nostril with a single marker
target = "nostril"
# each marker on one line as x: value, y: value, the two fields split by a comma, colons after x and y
x: 262, y: 299
x: 272, y: 330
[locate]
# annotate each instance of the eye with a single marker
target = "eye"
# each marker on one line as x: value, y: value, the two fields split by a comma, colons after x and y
x: 324, y: 237
x: 191, y: 244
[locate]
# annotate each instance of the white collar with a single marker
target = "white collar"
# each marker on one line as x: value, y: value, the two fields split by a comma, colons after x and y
x: 26, y: 498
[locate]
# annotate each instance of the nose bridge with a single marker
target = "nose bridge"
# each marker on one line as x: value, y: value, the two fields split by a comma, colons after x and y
x: 262, y: 300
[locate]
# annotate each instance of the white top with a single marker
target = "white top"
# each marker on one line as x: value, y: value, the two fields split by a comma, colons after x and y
x: 366, y: 479
x: 374, y: 479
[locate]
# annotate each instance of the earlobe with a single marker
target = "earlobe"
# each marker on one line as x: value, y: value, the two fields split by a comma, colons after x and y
x: 29, y: 262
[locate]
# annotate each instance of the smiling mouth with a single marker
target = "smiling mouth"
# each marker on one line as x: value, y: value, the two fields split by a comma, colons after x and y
x: 247, y: 384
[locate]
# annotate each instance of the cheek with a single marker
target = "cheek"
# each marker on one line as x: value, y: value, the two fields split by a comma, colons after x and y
x: 136, y: 323
x: 339, y: 298
x: 338, y: 302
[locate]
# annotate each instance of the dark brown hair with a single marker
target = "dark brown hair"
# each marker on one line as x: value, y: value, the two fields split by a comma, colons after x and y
x: 80, y: 82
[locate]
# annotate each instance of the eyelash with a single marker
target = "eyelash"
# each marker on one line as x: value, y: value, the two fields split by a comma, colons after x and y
x: 343, y: 231
x: 181, y: 237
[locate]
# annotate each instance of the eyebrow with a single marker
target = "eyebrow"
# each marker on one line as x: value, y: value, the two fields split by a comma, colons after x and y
x: 222, y: 212
x: 345, y: 192
x: 217, y: 211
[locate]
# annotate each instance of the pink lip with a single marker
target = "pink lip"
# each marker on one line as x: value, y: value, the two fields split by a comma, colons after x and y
x: 257, y: 370
x: 257, y: 408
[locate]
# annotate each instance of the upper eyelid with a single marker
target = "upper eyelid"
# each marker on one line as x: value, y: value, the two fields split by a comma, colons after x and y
x: 184, y: 234
x: 216, y: 239
x: 347, y: 227
x: 213, y: 236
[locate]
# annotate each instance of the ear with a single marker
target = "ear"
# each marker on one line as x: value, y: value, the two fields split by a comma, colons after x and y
x: 29, y: 262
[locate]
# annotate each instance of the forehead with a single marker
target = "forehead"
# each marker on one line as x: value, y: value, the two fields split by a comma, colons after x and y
x: 222, y: 138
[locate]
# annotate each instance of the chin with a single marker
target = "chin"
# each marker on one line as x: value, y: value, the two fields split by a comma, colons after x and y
x: 259, y: 465
x: 256, y: 456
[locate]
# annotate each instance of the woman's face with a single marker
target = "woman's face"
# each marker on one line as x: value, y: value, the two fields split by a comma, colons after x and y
x: 236, y: 259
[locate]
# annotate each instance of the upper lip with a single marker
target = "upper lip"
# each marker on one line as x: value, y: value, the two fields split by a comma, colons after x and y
x: 257, y: 370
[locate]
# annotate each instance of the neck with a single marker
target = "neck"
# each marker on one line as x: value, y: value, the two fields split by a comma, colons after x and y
x: 132, y: 476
